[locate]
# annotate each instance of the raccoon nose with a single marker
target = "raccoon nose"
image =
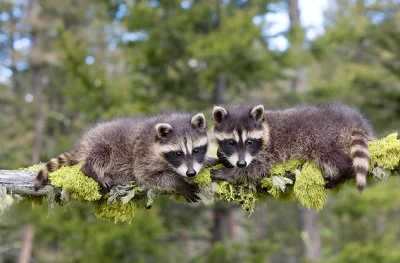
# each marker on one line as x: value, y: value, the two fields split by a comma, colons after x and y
x: 241, y: 164
x: 191, y: 172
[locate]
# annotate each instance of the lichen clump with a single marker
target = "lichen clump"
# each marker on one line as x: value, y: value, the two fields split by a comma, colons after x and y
x: 244, y: 195
x: 385, y: 152
x: 204, y: 177
x: 72, y: 180
x: 309, y: 188
x: 116, y: 211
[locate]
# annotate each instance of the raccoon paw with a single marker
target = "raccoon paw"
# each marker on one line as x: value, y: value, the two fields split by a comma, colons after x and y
x: 208, y: 162
x: 329, y: 183
x: 221, y: 174
x: 191, y: 197
x: 189, y: 193
x: 106, y: 183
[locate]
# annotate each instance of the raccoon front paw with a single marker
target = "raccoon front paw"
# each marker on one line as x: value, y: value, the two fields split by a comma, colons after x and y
x: 329, y: 183
x: 208, y: 162
x: 222, y: 174
x: 189, y: 193
x: 105, y: 182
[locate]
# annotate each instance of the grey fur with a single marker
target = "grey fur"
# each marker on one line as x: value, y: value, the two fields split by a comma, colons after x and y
x: 324, y: 134
x: 128, y: 149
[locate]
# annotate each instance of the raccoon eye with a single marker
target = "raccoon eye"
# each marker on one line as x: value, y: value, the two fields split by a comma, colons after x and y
x: 249, y: 142
x: 178, y: 153
x: 231, y: 142
x: 196, y: 150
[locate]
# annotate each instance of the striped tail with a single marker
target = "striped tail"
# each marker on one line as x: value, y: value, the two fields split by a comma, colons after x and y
x: 65, y: 159
x: 360, y: 155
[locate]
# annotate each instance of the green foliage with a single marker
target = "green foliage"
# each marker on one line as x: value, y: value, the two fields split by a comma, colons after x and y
x: 368, y: 253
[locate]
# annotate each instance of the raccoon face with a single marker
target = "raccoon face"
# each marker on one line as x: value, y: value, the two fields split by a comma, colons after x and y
x: 183, y: 144
x: 240, y: 134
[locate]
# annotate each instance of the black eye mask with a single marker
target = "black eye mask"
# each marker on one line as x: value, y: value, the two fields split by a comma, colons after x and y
x: 175, y: 158
x: 254, y: 147
x: 201, y: 154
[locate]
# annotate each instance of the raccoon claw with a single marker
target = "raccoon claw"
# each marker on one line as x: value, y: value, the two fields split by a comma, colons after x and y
x: 192, y: 198
x: 189, y: 192
x: 106, y: 183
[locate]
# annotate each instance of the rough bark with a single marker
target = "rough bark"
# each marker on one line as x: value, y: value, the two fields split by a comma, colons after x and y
x: 21, y: 182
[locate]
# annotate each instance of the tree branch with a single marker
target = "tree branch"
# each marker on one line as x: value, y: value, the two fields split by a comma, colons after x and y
x: 21, y: 182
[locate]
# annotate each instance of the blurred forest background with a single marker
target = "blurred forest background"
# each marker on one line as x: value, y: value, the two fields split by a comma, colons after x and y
x: 66, y: 63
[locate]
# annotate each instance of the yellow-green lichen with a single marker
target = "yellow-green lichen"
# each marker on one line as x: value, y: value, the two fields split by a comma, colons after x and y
x: 204, y: 177
x: 385, y: 152
x: 72, y: 180
x: 245, y: 195
x: 34, y: 200
x: 275, y: 192
x: 116, y: 211
x: 33, y: 168
x: 289, y: 166
x: 309, y: 187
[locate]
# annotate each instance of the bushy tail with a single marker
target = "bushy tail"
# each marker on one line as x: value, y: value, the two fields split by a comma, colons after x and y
x: 360, y: 155
x: 65, y: 159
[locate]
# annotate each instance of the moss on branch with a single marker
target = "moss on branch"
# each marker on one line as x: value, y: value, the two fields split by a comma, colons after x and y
x: 308, y: 187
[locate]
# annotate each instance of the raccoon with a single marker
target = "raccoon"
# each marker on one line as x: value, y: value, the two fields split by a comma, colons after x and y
x: 251, y: 141
x: 159, y: 153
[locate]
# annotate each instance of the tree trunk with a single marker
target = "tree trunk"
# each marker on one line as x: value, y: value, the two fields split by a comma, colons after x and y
x: 40, y: 119
x: 310, y: 233
x: 308, y: 219
x: 37, y: 84
x: 294, y: 12
x: 299, y: 82
x: 222, y: 214
x: 219, y: 91
x: 222, y: 229
x: 26, y: 249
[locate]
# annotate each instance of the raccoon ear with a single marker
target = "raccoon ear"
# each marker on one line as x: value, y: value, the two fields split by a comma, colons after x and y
x: 257, y: 113
x: 218, y: 114
x: 163, y: 130
x: 198, y: 121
